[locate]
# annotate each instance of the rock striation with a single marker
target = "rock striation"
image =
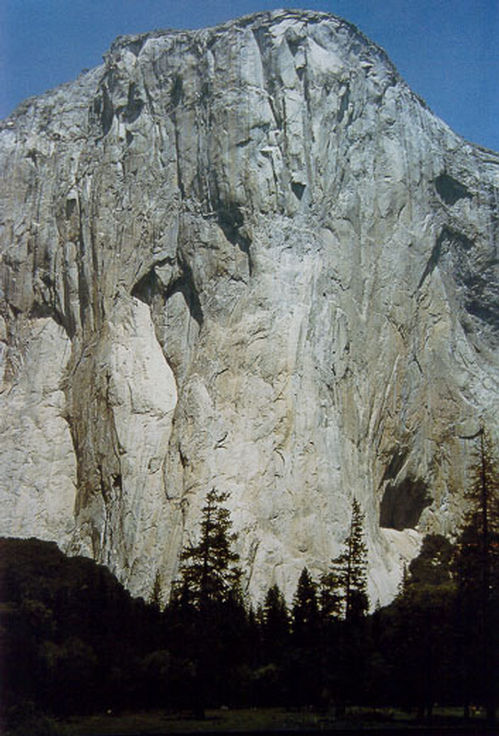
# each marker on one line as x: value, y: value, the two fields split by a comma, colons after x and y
x: 246, y: 257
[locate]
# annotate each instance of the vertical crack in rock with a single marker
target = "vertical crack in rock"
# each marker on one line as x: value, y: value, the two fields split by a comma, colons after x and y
x: 177, y: 91
x: 103, y: 108
x: 345, y: 101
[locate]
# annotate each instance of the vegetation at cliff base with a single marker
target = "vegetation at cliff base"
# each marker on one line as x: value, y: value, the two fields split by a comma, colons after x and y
x: 75, y: 642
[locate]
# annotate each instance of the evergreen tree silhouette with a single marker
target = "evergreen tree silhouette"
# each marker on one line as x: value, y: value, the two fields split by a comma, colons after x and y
x: 208, y: 570
x: 422, y: 634
x: 208, y: 597
x: 275, y: 625
x: 344, y: 586
x: 305, y: 612
x: 156, y: 597
x: 477, y: 573
x: 305, y: 674
x: 344, y: 604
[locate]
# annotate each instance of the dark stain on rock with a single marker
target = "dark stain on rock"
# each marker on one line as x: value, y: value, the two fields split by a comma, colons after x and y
x: 103, y: 110
x: 177, y: 91
x: 134, y: 105
x: 231, y: 220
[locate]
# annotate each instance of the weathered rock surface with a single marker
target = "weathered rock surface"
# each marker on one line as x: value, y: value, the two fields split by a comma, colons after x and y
x: 246, y: 257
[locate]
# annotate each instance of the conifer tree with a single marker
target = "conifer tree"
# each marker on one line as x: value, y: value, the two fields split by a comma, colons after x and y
x: 208, y: 570
x: 344, y: 586
x: 477, y: 573
x: 331, y: 592
x: 208, y: 606
x: 156, y: 592
x: 356, y: 601
x: 305, y: 671
x: 422, y: 630
x: 274, y: 618
x: 305, y: 610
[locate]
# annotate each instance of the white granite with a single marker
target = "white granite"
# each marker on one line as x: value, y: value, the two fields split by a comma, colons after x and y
x: 246, y: 257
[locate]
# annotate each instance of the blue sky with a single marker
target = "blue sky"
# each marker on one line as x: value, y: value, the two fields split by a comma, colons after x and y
x: 447, y: 50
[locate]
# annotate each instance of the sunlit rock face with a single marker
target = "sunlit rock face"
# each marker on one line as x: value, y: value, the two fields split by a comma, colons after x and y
x: 248, y: 258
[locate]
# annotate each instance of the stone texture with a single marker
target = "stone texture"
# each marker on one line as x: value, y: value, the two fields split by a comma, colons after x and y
x: 246, y: 257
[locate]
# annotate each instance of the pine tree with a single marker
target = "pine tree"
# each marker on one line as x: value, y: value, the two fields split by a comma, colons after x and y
x: 344, y: 586
x: 331, y: 592
x: 269, y: 680
x: 156, y: 596
x: 304, y: 662
x: 208, y: 609
x: 208, y: 569
x: 305, y: 610
x: 356, y: 600
x: 422, y: 630
x: 477, y: 573
x: 274, y: 617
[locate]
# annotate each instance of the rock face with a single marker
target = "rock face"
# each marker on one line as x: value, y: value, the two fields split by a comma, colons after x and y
x: 248, y: 258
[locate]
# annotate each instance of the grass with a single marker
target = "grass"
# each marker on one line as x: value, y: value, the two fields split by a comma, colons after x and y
x: 152, y: 722
x: 255, y: 719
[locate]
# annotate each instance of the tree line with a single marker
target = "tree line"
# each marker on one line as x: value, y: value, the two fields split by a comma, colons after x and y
x: 73, y: 640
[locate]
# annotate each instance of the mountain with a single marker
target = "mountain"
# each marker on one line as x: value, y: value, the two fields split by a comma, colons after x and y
x: 249, y: 258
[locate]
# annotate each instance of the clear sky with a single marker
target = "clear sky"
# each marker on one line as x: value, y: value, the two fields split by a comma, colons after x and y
x: 447, y: 50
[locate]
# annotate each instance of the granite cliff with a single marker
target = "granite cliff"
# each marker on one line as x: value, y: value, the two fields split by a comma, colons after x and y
x: 246, y: 257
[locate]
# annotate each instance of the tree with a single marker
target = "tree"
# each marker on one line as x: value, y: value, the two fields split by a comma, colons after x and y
x: 305, y: 610
x: 421, y: 642
x: 305, y: 671
x: 344, y: 604
x: 274, y: 625
x: 477, y: 573
x: 208, y: 570
x: 156, y: 592
x: 207, y: 604
x: 331, y: 592
x: 344, y: 586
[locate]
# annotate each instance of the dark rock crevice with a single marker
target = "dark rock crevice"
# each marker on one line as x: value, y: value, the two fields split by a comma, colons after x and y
x: 344, y: 102
x: 177, y: 91
x: 298, y: 189
x: 149, y: 286
x: 42, y: 310
x: 403, y: 503
x: 186, y: 286
x: 484, y: 312
x: 134, y: 106
x: 450, y: 190
x: 231, y: 220
x: 103, y: 109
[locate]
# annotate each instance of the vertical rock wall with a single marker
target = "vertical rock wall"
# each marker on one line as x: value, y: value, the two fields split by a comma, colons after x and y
x: 245, y: 257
